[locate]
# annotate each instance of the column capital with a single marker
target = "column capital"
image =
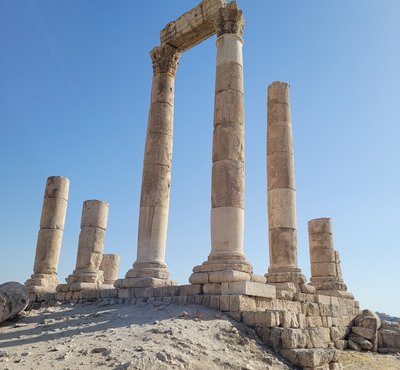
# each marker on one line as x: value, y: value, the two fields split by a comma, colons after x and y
x: 230, y: 20
x: 165, y: 59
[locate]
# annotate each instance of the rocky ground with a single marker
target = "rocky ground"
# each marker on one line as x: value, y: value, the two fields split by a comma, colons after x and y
x: 144, y: 337
x: 130, y: 337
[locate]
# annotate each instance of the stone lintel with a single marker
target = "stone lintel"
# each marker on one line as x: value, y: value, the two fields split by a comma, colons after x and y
x: 192, y: 27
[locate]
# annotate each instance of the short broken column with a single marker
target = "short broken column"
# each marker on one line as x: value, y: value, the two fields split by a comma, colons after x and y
x: 282, y: 229
x: 110, y: 265
x: 326, y: 273
x: 87, y: 274
x: 227, y: 261
x: 48, y: 247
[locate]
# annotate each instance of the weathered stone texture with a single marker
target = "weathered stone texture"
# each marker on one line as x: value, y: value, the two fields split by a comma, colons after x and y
x: 14, y: 298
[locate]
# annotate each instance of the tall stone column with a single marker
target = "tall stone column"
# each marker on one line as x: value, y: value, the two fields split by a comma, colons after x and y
x: 150, y: 268
x: 227, y: 193
x: 48, y: 247
x: 326, y: 273
x: 87, y: 274
x: 282, y: 231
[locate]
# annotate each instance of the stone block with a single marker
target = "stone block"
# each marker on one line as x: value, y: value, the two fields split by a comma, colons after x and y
x: 215, y: 302
x: 249, y: 288
x: 53, y: 213
x: 228, y: 276
x: 324, y: 299
x: 293, y: 338
x: 284, y: 294
x: 314, y: 321
x: 301, y: 318
x: 289, y: 319
x: 360, y: 341
x: 280, y: 170
x: 318, y: 337
x: 212, y: 288
x: 390, y: 338
x: 281, y: 208
x: 323, y: 269
x: 242, y: 303
x: 94, y: 214
x: 258, y: 279
x: 161, y: 118
x: 227, y: 188
x: 341, y: 344
x: 307, y: 289
x: 309, y: 357
x: 190, y: 289
x: 158, y: 149
x: 228, y: 142
x: 199, y: 278
x: 363, y: 332
x: 123, y: 293
x: 230, y: 77
x: 224, y: 302
x: 229, y: 107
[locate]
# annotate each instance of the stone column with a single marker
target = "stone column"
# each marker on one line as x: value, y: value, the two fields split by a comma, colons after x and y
x: 150, y: 268
x: 48, y: 247
x: 110, y: 265
x: 282, y: 231
x: 227, y: 193
x: 325, y: 262
x: 87, y: 274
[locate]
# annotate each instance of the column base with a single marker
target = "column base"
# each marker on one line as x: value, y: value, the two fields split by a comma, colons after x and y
x: 286, y: 275
x: 224, y: 268
x: 82, y: 280
x: 328, y: 283
x: 145, y: 275
x: 42, y: 283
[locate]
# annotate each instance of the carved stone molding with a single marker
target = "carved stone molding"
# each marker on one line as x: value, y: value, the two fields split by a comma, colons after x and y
x: 165, y: 59
x: 230, y: 20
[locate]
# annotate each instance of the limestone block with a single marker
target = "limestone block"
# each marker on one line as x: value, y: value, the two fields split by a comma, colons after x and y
x: 309, y: 357
x: 229, y: 49
x: 258, y: 279
x: 53, y: 213
x: 94, y: 214
x: 361, y: 342
x: 199, y: 278
x: 307, y: 289
x: 214, y: 288
x: 289, y: 319
x: 158, y: 149
x: 322, y: 255
x: 291, y: 287
x: 283, y: 247
x: 110, y: 265
x: 341, y: 344
x: 48, y: 251
x: 249, y: 288
x: 218, y: 265
x: 284, y: 294
x: 318, y: 337
x: 153, y: 223
x: 57, y: 187
x: 323, y: 269
x: 367, y: 319
x: 279, y: 139
x: 228, y: 276
x: 280, y: 170
x: 242, y: 303
x: 262, y: 318
x: 192, y: 27
x: 320, y: 226
x: 161, y: 119
x: 390, y: 338
x: 363, y: 332
x: 229, y: 77
x: 320, y: 241
x: 228, y: 142
x: 156, y: 182
x: 314, y: 321
x: 187, y: 290
x: 227, y: 184
x: 163, y: 89
x: 301, y: 318
x: 281, y: 208
x: 293, y: 338
x: 229, y: 107
x: 278, y: 104
x: 14, y: 298
x: 227, y: 230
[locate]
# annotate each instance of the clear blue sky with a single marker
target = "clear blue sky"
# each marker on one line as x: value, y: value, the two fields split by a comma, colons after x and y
x: 75, y: 81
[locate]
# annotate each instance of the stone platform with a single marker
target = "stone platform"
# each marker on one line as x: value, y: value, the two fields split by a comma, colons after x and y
x: 306, y: 329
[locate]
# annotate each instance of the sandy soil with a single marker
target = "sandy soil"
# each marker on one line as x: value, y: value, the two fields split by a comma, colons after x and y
x: 368, y: 361
x: 131, y: 337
